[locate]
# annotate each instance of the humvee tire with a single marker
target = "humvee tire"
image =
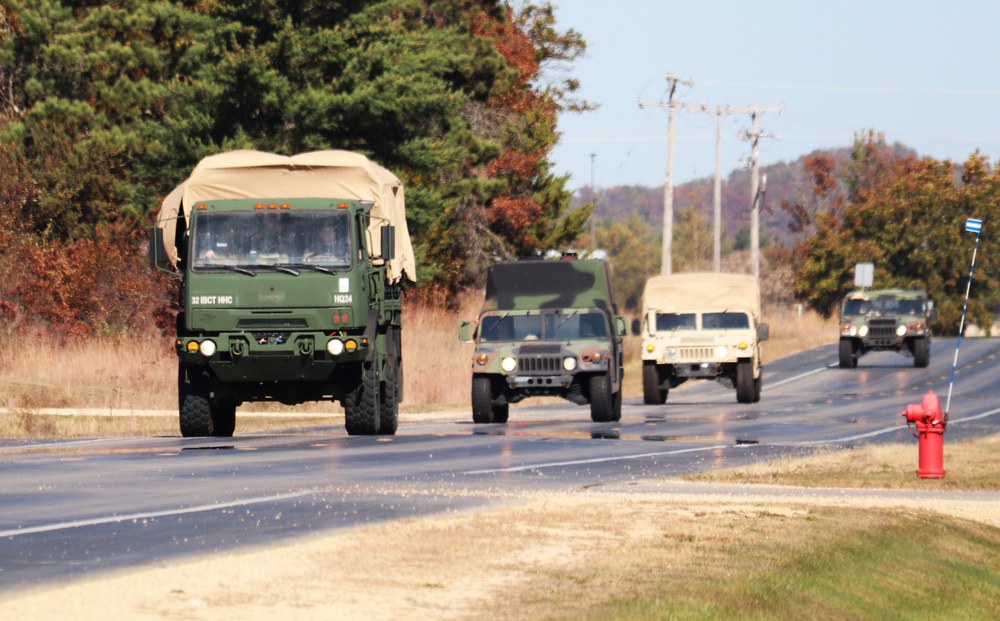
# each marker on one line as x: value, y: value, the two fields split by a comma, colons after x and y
x: 921, y: 353
x: 847, y: 359
x: 745, y: 384
x: 652, y: 393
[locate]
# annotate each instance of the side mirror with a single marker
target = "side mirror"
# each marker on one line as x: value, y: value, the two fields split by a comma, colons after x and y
x: 158, y: 254
x: 621, y: 328
x: 388, y: 242
x: 933, y: 316
x: 763, y: 333
x: 636, y: 327
x: 466, y: 332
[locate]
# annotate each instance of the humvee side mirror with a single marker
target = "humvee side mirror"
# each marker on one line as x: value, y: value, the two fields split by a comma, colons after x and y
x: 466, y: 332
x: 621, y: 328
x: 636, y: 327
x: 763, y: 332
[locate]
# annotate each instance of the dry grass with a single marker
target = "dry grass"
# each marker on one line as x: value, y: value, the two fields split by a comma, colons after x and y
x: 139, y: 372
x: 969, y: 465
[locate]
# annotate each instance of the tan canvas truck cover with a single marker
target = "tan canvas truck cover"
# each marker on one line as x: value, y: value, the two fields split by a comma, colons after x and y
x: 333, y: 174
x: 673, y: 293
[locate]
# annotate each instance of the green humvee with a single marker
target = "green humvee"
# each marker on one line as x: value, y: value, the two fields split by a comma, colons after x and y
x: 886, y: 320
x: 547, y: 328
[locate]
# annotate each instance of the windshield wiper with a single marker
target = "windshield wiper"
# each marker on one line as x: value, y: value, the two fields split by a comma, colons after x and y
x: 280, y: 268
x: 315, y: 268
x: 228, y: 268
x: 718, y: 316
x: 568, y: 317
x: 497, y: 323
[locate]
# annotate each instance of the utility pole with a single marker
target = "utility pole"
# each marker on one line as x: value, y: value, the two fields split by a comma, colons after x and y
x: 754, y: 137
x: 593, y: 191
x: 668, y: 188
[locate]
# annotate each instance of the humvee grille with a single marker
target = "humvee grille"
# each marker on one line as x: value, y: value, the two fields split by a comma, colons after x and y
x: 882, y: 328
x: 695, y: 354
x: 539, y: 364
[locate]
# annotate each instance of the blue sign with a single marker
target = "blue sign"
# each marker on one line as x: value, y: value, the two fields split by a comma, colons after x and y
x: 973, y: 226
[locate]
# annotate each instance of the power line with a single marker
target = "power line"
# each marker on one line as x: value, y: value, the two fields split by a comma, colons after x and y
x: 859, y: 89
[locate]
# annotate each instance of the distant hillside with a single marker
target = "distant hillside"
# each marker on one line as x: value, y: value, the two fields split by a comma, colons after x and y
x: 784, y: 182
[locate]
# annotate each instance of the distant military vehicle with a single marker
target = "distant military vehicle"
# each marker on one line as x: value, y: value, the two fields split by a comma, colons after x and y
x: 701, y: 325
x: 547, y: 328
x: 886, y: 320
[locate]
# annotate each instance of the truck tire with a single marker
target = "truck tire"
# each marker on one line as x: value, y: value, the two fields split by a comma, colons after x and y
x: 223, y: 418
x: 192, y: 395
x: 652, y: 393
x: 361, y: 407
x: 921, y: 353
x: 757, y: 385
x: 482, y: 400
x: 601, y: 399
x: 744, y: 382
x: 389, y: 403
x: 847, y: 359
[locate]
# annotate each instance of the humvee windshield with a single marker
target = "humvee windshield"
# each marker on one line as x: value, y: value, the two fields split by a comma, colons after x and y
x: 245, y: 239
x: 886, y: 305
x: 676, y: 321
x: 549, y: 326
x: 725, y: 321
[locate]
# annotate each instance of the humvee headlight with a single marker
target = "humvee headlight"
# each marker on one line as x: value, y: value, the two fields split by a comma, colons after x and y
x: 569, y: 363
x: 335, y: 347
x: 901, y: 330
x: 721, y: 351
x: 508, y: 364
x: 672, y: 354
x: 207, y: 348
x: 863, y: 331
x: 351, y: 345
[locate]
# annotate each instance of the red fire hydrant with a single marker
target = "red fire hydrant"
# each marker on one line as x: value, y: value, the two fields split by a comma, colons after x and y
x: 930, y: 435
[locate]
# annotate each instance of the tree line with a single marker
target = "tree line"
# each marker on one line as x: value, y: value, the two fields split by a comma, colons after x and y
x: 105, y: 107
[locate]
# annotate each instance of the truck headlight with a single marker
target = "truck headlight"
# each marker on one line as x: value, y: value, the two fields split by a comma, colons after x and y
x: 207, y: 348
x: 672, y: 353
x: 569, y: 363
x: 863, y: 331
x: 721, y: 351
x: 508, y: 364
x: 901, y: 330
x: 335, y: 347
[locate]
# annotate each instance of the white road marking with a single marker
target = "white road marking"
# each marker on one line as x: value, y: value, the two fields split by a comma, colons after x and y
x: 113, y: 519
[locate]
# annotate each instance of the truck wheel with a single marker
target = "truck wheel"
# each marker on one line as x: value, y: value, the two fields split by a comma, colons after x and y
x: 389, y: 410
x: 482, y: 400
x: 921, y: 353
x: 757, y: 385
x: 361, y: 408
x: 616, y: 406
x: 223, y: 418
x: 192, y: 396
x: 601, y: 399
x: 847, y: 359
x: 744, y: 382
x: 652, y: 393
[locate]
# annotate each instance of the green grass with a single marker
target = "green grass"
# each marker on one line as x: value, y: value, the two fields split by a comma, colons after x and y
x: 859, y: 565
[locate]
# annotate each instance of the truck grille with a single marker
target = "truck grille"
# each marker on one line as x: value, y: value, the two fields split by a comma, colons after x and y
x: 272, y: 323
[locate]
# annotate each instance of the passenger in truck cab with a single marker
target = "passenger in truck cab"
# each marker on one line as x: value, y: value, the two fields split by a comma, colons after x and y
x: 329, y: 243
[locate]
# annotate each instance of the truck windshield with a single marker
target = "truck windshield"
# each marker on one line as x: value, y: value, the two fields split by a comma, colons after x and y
x: 313, y: 238
x: 507, y: 327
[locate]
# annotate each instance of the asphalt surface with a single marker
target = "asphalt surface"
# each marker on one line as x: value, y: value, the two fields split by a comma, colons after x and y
x: 72, y: 507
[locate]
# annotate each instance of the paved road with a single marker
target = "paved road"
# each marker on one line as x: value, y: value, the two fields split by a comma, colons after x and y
x: 77, y: 506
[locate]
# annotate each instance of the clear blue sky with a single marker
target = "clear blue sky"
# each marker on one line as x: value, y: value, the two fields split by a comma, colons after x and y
x: 925, y: 73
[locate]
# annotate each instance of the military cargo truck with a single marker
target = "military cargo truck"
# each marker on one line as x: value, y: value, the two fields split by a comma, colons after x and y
x: 291, y: 272
x: 547, y: 328
x: 702, y: 325
x: 896, y: 320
